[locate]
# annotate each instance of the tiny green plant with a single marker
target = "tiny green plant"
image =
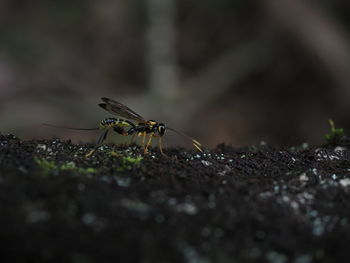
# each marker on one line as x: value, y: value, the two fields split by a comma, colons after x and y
x: 335, y: 133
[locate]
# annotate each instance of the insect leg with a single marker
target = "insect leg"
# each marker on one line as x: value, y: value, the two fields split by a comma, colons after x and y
x: 132, y: 131
x: 99, y: 142
x: 144, y: 138
x: 160, y: 147
x: 148, y: 143
x: 143, y: 134
x: 102, y: 137
x: 132, y: 138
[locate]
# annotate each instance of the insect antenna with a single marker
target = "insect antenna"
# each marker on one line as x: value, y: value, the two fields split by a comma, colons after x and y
x: 195, y: 143
x: 70, y: 128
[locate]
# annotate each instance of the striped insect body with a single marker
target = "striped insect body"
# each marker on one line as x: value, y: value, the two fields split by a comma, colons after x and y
x: 132, y: 124
x: 112, y: 122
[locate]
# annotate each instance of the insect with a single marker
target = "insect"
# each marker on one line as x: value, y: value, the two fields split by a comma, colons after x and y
x: 132, y: 124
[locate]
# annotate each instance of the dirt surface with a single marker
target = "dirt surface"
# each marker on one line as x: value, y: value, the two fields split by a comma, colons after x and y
x: 257, y: 204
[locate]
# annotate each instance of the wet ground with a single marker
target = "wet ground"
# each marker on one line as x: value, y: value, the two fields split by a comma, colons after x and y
x: 257, y: 204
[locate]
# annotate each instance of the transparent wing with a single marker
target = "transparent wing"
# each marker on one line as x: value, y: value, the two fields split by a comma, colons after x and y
x: 120, y: 109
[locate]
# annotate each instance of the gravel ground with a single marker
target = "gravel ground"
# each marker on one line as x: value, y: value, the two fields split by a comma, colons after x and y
x: 255, y: 204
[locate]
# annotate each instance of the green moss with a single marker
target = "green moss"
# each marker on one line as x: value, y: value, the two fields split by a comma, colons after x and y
x: 45, y: 165
x: 90, y: 170
x: 127, y: 162
x: 133, y: 160
x: 72, y: 166
x: 68, y: 166
x: 50, y: 166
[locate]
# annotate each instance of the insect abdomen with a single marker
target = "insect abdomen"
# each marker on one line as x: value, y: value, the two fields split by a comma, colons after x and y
x: 112, y: 122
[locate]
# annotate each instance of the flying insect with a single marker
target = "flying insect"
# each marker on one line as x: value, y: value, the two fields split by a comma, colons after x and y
x: 133, y: 125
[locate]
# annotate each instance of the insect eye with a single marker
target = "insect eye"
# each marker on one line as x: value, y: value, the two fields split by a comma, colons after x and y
x: 161, y: 129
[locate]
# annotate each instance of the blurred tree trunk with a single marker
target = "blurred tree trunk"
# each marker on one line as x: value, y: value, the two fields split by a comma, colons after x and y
x: 161, y: 54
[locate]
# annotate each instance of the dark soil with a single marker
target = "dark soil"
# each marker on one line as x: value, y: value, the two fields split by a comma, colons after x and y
x: 258, y: 204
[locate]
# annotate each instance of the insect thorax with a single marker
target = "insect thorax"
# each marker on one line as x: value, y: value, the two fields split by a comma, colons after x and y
x: 150, y: 127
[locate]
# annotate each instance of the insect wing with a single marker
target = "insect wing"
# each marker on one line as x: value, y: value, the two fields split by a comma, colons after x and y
x: 120, y: 109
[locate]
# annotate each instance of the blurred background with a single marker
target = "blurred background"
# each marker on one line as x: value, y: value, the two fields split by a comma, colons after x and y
x: 231, y: 71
